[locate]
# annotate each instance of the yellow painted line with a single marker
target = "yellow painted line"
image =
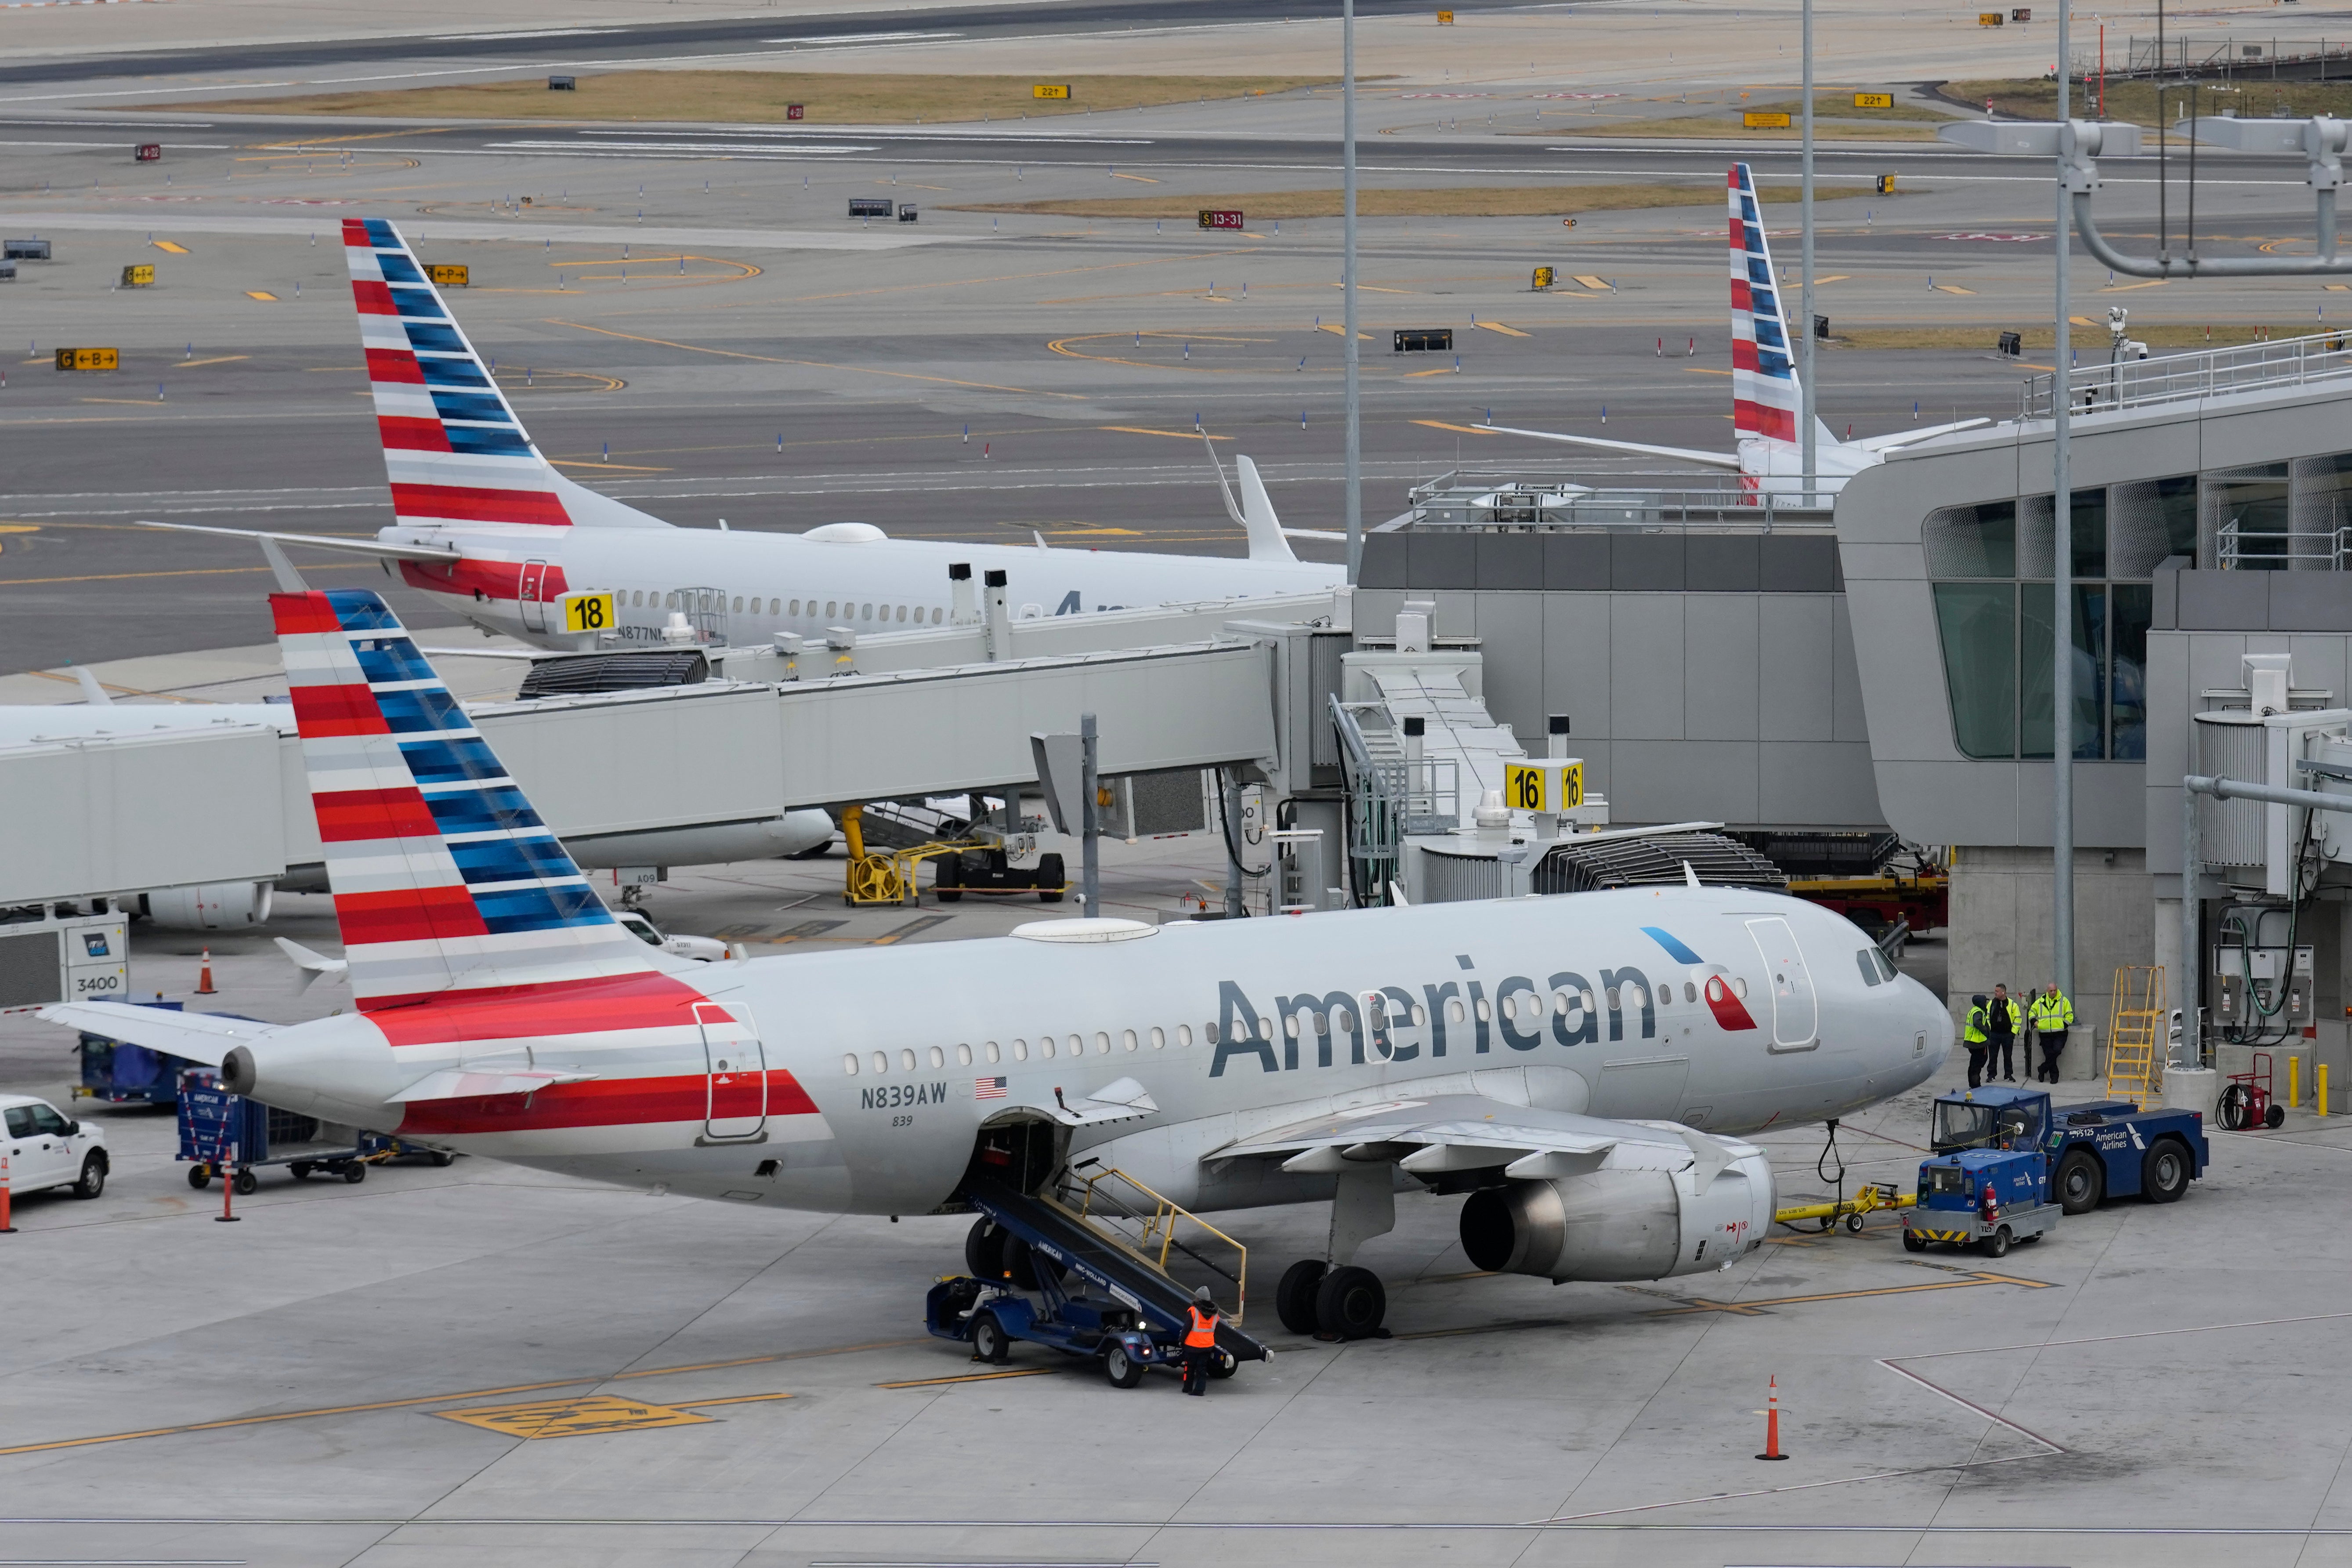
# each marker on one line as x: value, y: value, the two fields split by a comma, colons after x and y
x: 313, y: 370
x: 735, y: 1399
x: 2051, y: 368
x: 1458, y: 429
x: 820, y: 364
x: 135, y: 402
x: 967, y: 1377
x: 614, y: 467
x: 1498, y: 327
x: 370, y: 136
x: 1179, y: 435
x: 2082, y: 321
x: 1093, y: 534
x: 192, y: 363
x: 1342, y: 330
x: 1702, y: 369
x: 259, y: 294
x: 2128, y: 288
x: 587, y: 1416
x: 1145, y: 178
x: 174, y: 246
x: 1952, y: 288
x: 1441, y: 370
x: 1590, y: 281
x: 1368, y: 288
x: 1832, y: 278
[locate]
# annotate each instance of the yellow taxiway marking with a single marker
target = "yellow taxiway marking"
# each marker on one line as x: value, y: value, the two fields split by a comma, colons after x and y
x: 370, y: 136
x: 1368, y: 288
x: 1457, y: 429
x: 1179, y: 435
x: 1097, y: 534
x: 1832, y: 278
x: 1952, y: 288
x: 1441, y: 370
x: 1702, y: 369
x: 2128, y: 288
x: 820, y: 364
x: 614, y: 467
x: 1340, y: 330
x: 259, y: 294
x: 171, y: 246
x: 586, y: 1416
x: 972, y: 1377
x: 1145, y: 178
x: 1498, y: 327
x: 192, y: 363
x: 1588, y: 280
x: 135, y: 402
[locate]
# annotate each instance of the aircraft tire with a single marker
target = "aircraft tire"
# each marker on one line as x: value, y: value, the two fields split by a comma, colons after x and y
x: 983, y: 1249
x: 990, y: 1343
x: 1350, y: 1303
x: 1293, y: 1298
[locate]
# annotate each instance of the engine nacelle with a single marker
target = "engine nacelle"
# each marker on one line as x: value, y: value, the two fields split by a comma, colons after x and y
x: 1621, y: 1224
x: 214, y: 906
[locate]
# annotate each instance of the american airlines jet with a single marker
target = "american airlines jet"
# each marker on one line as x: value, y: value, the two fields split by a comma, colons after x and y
x: 486, y: 523
x: 1578, y: 1068
x: 1766, y: 402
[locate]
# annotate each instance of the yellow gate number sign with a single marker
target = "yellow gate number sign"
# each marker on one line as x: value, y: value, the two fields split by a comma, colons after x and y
x: 1543, y: 786
x: 1445, y: 18
x: 1050, y: 89
x: 1765, y: 120
x: 89, y: 359
x: 1873, y: 100
x: 448, y: 275
x: 1989, y: 19
x: 588, y: 612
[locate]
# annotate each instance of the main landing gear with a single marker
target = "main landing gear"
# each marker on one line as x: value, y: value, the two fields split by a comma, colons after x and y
x: 1338, y: 1300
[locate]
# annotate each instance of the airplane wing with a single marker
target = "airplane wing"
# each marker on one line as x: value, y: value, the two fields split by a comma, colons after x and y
x: 1907, y: 438
x: 1682, y: 453
x: 205, y: 1038
x: 317, y: 542
x: 1468, y: 1132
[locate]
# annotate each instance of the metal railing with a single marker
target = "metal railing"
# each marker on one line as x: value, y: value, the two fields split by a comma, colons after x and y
x: 2189, y: 377
x: 1518, y: 499
x: 1389, y: 796
x: 2229, y: 58
x: 2237, y: 550
x: 1123, y: 1211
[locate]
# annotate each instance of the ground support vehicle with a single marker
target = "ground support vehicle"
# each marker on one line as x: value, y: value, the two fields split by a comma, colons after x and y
x: 45, y: 1148
x: 1984, y: 1198
x: 1040, y: 1273
x: 2109, y: 1149
x: 224, y: 1135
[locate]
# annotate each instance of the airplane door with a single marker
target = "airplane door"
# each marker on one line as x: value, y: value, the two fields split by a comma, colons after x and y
x: 736, y: 1067
x: 534, y: 595
x: 1796, y: 1011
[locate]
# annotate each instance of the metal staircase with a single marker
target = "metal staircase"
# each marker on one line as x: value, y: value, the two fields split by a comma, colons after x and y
x: 2135, y: 1028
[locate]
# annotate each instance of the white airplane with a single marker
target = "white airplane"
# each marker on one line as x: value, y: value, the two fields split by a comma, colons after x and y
x: 1555, y: 1058
x: 1765, y: 401
x: 487, y: 523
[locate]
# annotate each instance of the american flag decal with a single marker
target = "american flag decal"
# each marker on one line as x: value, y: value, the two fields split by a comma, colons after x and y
x: 988, y: 1088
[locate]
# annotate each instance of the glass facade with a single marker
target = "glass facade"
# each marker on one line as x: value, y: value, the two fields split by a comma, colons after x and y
x: 1992, y: 566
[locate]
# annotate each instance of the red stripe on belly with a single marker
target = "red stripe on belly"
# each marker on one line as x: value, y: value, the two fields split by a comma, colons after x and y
x: 617, y: 1102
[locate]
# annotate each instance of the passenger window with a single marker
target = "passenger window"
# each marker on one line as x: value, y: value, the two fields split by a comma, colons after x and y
x: 881, y: 1061
x: 1665, y: 992
x: 902, y: 612
x: 1183, y: 1036
x: 796, y: 606
x: 935, y: 615
x: 1740, y: 985
x: 907, y: 1060
x: 990, y: 1052
x: 963, y: 1056
x: 866, y: 613
x: 1454, y: 1013
x: 1045, y: 1047
x: 1290, y: 1025
x: 1102, y: 1044
x: 1159, y: 1038
x: 1020, y: 1050
x: 938, y: 1057
x: 850, y: 1065
x: 1342, y: 1018
x: 1486, y: 1011
x: 1614, y: 997
x: 1690, y: 992
x: 738, y: 603
x: 1128, y: 1039
x: 1420, y: 1014
x: 1208, y: 1034
x: 828, y: 607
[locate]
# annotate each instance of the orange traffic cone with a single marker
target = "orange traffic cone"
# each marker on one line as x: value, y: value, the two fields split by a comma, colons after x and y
x: 204, y: 976
x: 7, y: 1227
x: 1772, y: 1424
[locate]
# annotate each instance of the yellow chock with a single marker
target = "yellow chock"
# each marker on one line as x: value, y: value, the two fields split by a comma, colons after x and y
x: 2294, y: 1080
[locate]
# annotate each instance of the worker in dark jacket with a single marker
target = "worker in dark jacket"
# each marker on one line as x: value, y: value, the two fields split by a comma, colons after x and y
x: 1199, y: 1341
x: 2053, y: 1015
x: 2001, y: 1031
x: 1975, y: 1036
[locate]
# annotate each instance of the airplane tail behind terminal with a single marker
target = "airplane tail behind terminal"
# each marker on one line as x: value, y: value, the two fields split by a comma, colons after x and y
x: 1766, y: 402
x: 453, y: 449
x: 444, y: 877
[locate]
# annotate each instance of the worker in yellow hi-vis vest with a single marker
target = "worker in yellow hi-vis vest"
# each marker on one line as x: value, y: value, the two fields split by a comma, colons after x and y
x: 1974, y: 1037
x: 2052, y: 1014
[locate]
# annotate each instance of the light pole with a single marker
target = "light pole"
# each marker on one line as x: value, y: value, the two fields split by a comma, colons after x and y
x: 2062, y: 585
x: 1805, y: 396
x: 1355, y: 512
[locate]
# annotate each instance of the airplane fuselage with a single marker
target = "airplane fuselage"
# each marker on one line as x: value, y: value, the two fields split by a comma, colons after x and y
x: 512, y: 579
x: 856, y: 1082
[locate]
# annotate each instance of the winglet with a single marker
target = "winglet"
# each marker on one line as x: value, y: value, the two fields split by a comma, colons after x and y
x: 1267, y: 539
x: 1690, y: 877
x: 289, y: 581
x: 92, y: 691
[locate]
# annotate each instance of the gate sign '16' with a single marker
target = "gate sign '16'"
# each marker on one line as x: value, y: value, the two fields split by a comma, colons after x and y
x: 1543, y: 786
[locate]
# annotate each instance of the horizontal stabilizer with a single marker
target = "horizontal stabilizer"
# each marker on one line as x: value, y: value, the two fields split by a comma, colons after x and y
x: 1901, y: 438
x: 315, y: 542
x: 1681, y: 454
x: 203, y: 1038
x: 1330, y: 533
x: 313, y: 965
x: 461, y: 1083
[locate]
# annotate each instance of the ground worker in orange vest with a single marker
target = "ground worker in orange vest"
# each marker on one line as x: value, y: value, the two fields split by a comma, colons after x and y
x: 1201, y: 1351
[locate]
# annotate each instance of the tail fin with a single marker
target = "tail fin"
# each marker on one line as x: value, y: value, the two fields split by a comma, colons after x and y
x: 444, y: 877
x: 453, y: 449
x: 1764, y: 397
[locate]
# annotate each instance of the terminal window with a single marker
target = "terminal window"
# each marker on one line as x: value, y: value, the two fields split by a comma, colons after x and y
x: 1992, y: 566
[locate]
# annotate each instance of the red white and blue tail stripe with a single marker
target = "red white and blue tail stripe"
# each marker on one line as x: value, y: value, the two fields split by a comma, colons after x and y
x: 1764, y: 397
x: 455, y: 453
x: 444, y: 877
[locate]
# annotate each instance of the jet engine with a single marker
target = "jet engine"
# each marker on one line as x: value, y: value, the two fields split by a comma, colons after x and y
x: 214, y: 906
x: 1623, y: 1224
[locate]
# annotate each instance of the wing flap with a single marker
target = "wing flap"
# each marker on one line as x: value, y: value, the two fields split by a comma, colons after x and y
x: 205, y: 1038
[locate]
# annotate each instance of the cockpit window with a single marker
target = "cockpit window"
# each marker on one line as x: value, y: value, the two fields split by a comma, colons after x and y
x: 1868, y: 960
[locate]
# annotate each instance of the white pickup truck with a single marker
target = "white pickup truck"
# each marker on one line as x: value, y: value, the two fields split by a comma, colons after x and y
x: 48, y: 1149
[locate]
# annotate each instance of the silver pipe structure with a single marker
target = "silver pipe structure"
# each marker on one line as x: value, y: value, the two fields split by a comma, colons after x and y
x: 2061, y: 608
x: 1090, y: 820
x: 2192, y: 866
x: 1355, y: 510
x: 2104, y: 252
x: 1805, y: 396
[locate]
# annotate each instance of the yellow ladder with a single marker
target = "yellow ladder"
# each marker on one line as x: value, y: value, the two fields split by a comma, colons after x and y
x: 2135, y: 1023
